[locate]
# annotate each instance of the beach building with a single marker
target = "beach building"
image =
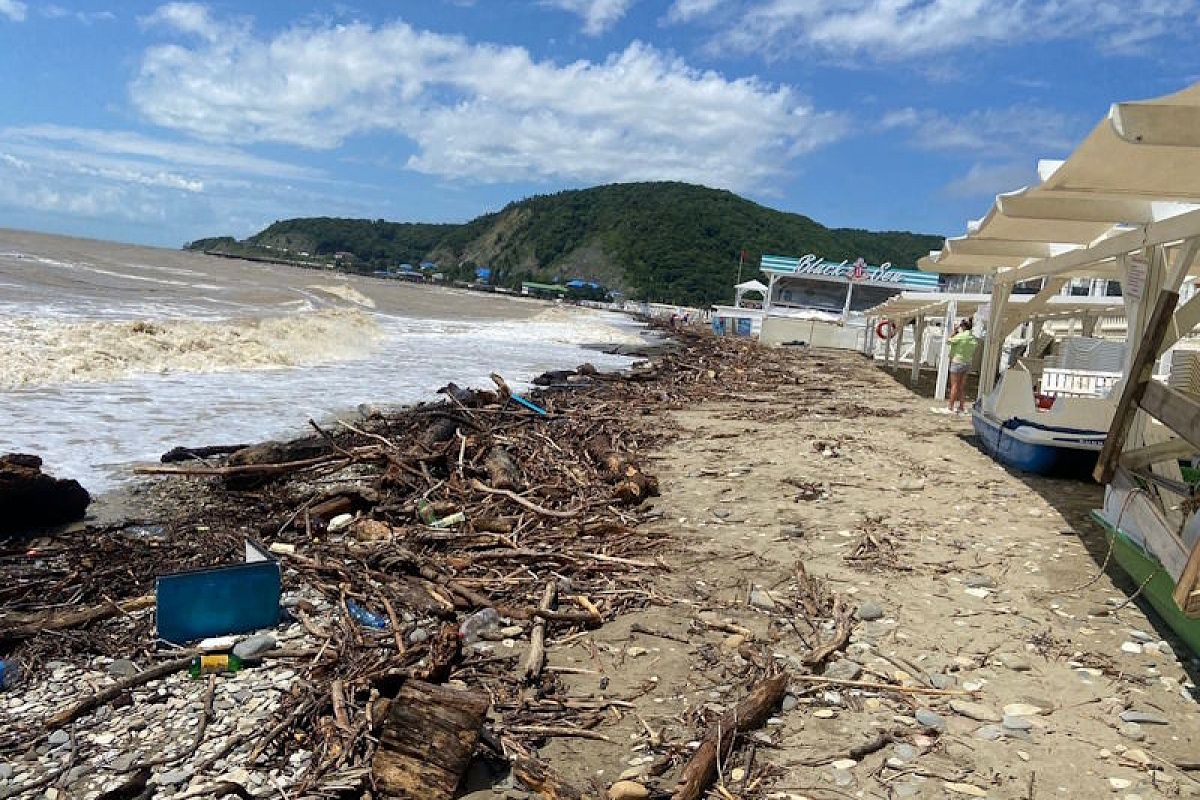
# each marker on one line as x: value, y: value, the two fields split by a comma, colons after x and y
x: 814, y: 300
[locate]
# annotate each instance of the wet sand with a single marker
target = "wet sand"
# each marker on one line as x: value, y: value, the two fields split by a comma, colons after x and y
x: 113, y: 274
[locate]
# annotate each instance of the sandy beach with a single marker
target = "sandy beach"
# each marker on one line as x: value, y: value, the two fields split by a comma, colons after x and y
x: 966, y: 577
x: 947, y: 628
x: 119, y: 272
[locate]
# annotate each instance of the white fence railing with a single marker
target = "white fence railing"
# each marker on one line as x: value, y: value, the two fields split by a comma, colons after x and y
x: 1077, y: 382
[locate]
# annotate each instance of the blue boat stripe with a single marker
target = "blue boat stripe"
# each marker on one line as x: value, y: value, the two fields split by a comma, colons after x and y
x: 1016, y: 422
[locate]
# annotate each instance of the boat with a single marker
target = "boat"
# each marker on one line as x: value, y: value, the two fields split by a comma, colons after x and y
x: 1152, y: 551
x: 1063, y: 440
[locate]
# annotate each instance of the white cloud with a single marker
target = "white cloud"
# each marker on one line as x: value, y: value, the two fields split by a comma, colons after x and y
x: 53, y: 11
x: 688, y: 10
x: 989, y: 180
x: 13, y: 9
x: 891, y: 30
x: 1004, y: 143
x: 1016, y: 131
x: 181, y: 190
x: 475, y: 111
x: 84, y: 141
x: 191, y: 18
x: 598, y: 15
x: 87, y: 171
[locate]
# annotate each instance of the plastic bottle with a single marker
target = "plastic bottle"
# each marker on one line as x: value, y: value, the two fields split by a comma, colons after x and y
x: 214, y: 665
x: 478, y: 624
x: 425, y: 512
x: 368, y: 618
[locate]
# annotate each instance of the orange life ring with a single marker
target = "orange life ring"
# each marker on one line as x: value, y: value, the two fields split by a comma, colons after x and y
x: 887, y: 325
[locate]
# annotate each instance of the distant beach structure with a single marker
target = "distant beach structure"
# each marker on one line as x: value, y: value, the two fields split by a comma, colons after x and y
x: 813, y: 299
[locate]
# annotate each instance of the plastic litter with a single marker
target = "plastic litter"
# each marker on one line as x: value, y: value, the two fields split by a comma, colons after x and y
x: 366, y: 618
x: 10, y: 673
x: 532, y: 406
x: 481, y: 622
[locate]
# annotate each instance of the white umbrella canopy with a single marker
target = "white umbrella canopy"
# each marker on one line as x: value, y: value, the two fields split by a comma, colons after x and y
x: 1139, y: 165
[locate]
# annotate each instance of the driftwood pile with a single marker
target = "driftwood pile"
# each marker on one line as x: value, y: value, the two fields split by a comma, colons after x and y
x: 475, y: 502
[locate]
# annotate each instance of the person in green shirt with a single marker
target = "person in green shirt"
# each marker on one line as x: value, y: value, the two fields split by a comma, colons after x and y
x: 962, y: 351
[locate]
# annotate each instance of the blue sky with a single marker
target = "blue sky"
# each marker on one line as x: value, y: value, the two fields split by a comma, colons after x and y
x: 160, y: 123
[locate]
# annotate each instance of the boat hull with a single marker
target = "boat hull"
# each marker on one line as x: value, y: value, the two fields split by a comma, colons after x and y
x: 1157, y: 585
x: 1040, y: 451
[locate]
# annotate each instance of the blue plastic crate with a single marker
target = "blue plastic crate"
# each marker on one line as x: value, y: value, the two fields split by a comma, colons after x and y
x: 237, y: 598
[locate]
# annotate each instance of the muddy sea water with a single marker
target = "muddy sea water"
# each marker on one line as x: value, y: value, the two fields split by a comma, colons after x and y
x: 112, y: 354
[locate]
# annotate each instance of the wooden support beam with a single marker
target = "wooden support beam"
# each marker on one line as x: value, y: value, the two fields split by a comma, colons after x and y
x: 943, y: 368
x: 1173, y: 229
x: 993, y: 345
x: 1187, y: 588
x: 1138, y: 376
x: 918, y: 340
x: 900, y: 326
x: 1186, y: 318
x: 1172, y: 449
x: 1018, y: 313
x: 1176, y: 410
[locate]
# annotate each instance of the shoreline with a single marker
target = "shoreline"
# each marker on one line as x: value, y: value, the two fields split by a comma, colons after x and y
x: 112, y: 506
x: 770, y: 462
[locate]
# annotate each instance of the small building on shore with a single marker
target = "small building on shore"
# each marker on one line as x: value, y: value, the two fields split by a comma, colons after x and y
x: 813, y: 300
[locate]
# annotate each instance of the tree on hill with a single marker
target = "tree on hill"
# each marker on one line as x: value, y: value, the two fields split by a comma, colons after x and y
x: 672, y: 242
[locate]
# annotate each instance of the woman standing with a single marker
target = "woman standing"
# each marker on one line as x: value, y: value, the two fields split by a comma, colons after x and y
x: 962, y: 352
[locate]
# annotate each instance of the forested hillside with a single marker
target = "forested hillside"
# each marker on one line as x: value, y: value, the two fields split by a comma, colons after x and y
x: 671, y: 242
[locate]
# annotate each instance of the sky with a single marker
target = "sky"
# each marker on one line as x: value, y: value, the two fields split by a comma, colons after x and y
x: 161, y: 123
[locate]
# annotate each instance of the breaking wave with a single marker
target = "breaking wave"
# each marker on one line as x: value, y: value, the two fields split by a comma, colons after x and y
x: 41, y: 351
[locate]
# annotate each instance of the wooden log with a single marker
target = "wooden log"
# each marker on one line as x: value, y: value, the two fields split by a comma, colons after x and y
x: 632, y: 484
x: 444, y: 651
x: 427, y: 741
x: 332, y: 507
x: 196, y: 453
x: 537, y: 637
x: 612, y: 464
x: 748, y: 715
x: 636, y: 487
x: 492, y: 524
x: 470, y: 398
x: 244, y: 470
x: 503, y: 472
x: 441, y: 429
x: 275, y: 452
x: 14, y: 627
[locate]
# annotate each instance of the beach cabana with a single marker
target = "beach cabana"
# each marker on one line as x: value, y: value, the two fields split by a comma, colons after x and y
x: 925, y: 311
x: 750, y: 287
x: 1124, y: 206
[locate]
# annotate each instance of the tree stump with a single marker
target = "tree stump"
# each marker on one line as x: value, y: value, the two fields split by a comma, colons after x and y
x: 427, y: 741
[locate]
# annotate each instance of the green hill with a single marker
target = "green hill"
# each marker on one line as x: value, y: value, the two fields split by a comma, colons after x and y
x: 671, y: 242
